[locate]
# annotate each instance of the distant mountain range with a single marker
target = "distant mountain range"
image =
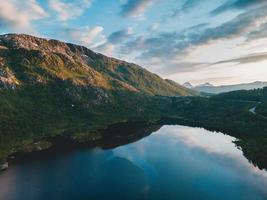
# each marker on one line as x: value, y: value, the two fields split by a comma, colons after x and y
x: 209, y: 88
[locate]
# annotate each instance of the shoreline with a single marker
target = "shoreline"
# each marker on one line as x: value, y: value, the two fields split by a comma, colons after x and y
x: 119, y: 134
x: 109, y: 137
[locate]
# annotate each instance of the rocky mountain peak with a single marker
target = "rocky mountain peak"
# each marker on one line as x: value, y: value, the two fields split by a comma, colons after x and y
x: 23, y: 41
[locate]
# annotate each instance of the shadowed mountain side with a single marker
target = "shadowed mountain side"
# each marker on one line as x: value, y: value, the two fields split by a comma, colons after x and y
x: 111, y: 137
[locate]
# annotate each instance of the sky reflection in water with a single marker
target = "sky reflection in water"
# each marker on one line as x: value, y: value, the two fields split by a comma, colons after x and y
x: 175, y: 162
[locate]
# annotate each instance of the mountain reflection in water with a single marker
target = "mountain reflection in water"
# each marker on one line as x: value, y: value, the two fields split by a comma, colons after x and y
x: 175, y: 162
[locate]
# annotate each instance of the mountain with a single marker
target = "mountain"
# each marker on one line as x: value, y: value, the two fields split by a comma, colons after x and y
x: 209, y: 88
x: 50, y: 88
x: 27, y: 60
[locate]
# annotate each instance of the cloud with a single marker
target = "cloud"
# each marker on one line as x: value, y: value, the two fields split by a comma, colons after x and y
x: 86, y: 36
x: 135, y: 8
x: 237, y: 4
x: 187, y: 6
x: 105, y: 48
x: 154, y: 27
x: 237, y: 27
x: 178, y: 42
x: 114, y: 40
x: 18, y: 15
x: 178, y: 67
x: 69, y: 10
x: 190, y: 4
x: 172, y: 49
x: 251, y: 58
x: 259, y: 33
x: 120, y: 36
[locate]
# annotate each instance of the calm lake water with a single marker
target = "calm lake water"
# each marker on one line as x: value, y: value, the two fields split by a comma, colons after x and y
x: 175, y: 162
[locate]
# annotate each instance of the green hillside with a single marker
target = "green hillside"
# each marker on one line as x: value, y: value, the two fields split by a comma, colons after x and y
x: 31, y: 60
x: 50, y: 88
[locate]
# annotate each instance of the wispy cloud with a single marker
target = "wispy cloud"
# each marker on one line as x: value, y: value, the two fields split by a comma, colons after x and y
x: 250, y: 58
x: 106, y: 48
x: 120, y: 36
x: 187, y: 6
x: 259, y: 33
x: 69, y: 10
x: 237, y: 4
x: 115, y: 39
x: 178, y: 67
x: 135, y: 8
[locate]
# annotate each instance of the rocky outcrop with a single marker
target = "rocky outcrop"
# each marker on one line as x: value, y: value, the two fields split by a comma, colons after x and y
x: 7, y: 78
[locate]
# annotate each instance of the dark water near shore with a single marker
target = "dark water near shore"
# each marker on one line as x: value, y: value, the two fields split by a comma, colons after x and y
x: 175, y: 162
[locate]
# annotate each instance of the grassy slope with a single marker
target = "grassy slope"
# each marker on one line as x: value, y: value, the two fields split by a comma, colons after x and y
x: 67, y: 61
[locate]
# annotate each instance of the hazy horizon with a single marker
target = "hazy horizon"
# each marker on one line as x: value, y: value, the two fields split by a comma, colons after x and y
x: 221, y: 42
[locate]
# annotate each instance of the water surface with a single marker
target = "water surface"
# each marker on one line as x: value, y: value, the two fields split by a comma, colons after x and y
x: 175, y: 162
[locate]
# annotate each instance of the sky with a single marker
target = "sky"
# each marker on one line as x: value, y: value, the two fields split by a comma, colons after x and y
x: 217, y: 41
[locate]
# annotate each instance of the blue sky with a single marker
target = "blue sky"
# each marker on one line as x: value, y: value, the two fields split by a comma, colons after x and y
x: 218, y: 41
